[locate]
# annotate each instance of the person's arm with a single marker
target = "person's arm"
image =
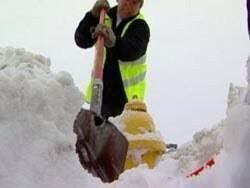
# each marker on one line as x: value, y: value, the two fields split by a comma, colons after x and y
x: 83, y: 37
x: 134, y: 43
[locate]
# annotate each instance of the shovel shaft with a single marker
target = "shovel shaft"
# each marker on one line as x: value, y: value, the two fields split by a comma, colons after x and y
x: 99, y: 52
x: 96, y: 101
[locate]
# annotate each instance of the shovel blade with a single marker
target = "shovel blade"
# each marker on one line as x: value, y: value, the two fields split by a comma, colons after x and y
x: 101, y: 147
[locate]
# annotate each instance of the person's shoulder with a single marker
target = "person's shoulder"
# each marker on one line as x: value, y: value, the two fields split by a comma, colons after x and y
x: 140, y: 22
x: 140, y: 26
x: 112, y: 12
x: 141, y: 19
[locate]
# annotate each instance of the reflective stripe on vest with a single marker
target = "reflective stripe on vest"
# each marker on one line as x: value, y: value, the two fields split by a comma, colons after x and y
x: 133, y: 73
x: 133, y: 76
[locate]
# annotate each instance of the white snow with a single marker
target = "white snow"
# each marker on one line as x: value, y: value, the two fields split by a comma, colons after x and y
x: 236, y: 95
x: 37, y: 111
x: 248, y: 80
x: 147, y: 136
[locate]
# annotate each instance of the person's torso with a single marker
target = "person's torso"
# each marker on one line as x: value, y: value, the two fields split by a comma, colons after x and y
x: 114, y: 95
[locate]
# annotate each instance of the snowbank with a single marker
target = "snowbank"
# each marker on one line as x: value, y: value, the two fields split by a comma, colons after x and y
x: 226, y: 142
x: 37, y: 110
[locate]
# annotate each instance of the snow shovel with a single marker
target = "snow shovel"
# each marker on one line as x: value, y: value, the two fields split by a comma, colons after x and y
x: 101, y: 147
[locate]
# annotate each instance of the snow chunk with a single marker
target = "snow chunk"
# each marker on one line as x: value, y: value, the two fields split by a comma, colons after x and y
x: 248, y: 69
x: 236, y: 96
x: 19, y: 58
x: 247, y: 99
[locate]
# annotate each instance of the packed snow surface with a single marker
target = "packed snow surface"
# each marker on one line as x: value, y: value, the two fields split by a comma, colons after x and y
x: 37, y: 111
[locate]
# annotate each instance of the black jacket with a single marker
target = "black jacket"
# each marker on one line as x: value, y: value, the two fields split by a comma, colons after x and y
x: 128, y: 48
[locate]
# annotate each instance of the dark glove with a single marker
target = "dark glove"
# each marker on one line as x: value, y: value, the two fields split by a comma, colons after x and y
x: 107, y: 32
x: 99, y: 4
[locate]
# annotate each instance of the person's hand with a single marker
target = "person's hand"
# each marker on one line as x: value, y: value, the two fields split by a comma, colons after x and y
x: 106, y: 32
x: 99, y: 4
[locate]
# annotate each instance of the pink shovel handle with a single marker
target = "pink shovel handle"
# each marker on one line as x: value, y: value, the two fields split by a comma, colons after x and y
x: 99, y: 52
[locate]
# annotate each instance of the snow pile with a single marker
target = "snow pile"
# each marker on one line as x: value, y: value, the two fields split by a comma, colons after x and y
x: 205, y: 145
x: 226, y: 142
x: 231, y: 169
x: 37, y: 110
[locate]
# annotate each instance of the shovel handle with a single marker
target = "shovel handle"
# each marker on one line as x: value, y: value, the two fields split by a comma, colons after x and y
x: 99, y: 52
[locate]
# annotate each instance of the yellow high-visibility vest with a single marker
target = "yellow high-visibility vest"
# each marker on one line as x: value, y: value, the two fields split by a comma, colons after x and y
x: 133, y: 73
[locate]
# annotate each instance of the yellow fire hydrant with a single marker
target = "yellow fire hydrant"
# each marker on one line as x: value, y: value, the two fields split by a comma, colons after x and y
x: 145, y: 143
